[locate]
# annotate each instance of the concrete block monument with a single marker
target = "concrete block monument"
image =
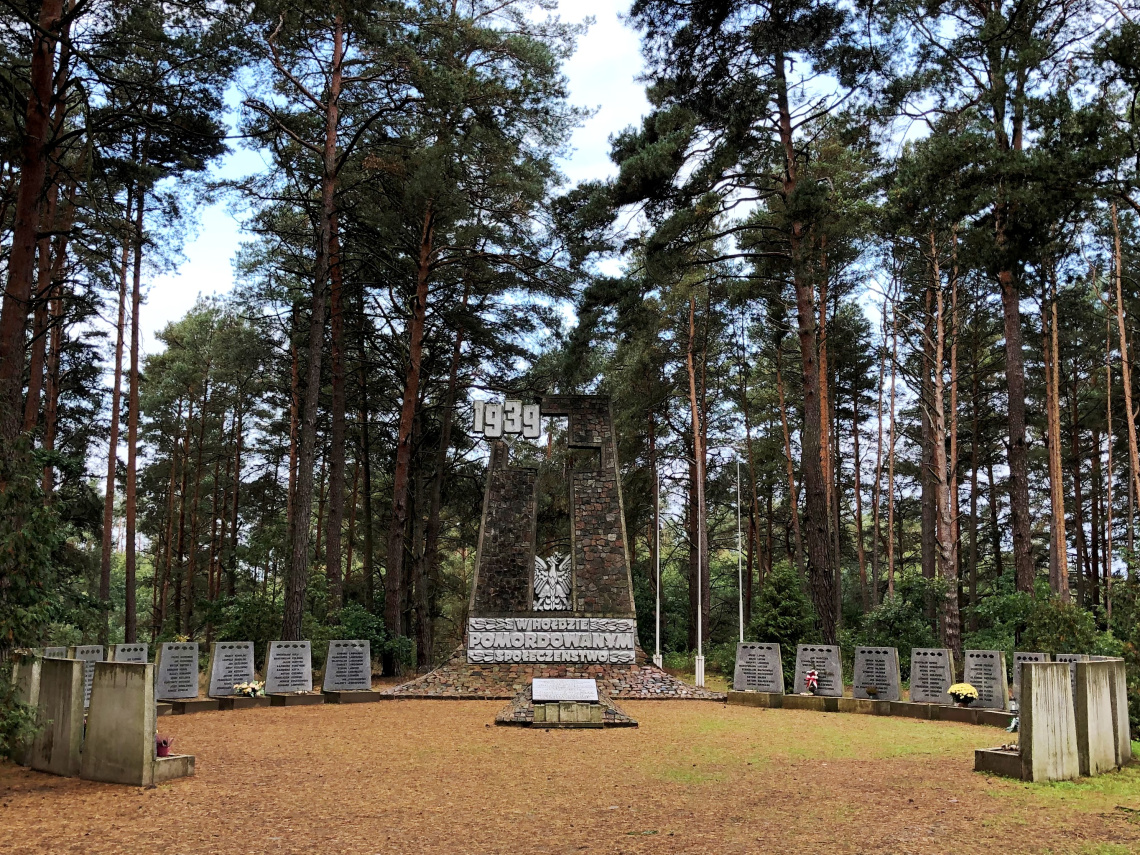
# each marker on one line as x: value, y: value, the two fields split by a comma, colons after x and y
x: 931, y: 675
x: 1070, y: 659
x: 824, y: 660
x: 120, y: 743
x: 877, y: 676
x: 26, y: 670
x: 288, y: 668
x: 985, y: 671
x: 60, y: 714
x: 1019, y: 658
x: 1096, y: 746
x: 89, y: 654
x: 231, y: 662
x: 758, y: 668
x: 348, y: 672
x: 130, y: 653
x: 1122, y: 737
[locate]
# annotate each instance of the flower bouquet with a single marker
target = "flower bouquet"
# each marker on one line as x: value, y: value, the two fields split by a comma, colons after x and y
x: 252, y: 689
x: 811, y: 681
x: 963, y: 694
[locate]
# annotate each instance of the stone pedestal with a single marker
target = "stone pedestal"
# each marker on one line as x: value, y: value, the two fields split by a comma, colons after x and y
x: 1048, y: 731
x: 195, y: 706
x: 770, y: 700
x: 1122, y: 737
x: 26, y: 669
x: 309, y: 700
x: 364, y: 696
x: 241, y: 702
x: 60, y: 712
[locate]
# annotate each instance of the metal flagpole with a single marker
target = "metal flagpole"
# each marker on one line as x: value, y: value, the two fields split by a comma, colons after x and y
x: 739, y: 553
x: 657, y: 506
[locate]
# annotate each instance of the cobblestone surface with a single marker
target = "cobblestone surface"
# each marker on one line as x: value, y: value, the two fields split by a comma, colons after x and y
x: 459, y: 679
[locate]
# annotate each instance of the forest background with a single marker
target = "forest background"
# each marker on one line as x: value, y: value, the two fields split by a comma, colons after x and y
x: 880, y: 260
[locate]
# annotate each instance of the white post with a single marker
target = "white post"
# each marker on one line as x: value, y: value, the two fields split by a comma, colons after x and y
x: 657, y: 510
x: 699, y: 662
x: 739, y: 553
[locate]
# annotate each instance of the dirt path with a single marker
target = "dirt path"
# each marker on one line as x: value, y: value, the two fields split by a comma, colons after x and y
x: 434, y: 776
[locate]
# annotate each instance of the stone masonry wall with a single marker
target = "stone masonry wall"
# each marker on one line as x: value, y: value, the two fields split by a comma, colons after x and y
x: 602, y: 583
x: 506, y: 545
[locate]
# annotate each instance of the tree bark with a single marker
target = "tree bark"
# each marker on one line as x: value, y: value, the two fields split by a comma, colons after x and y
x: 22, y: 254
x: 1126, y: 377
x: 130, y: 617
x: 1058, y: 542
x: 393, y: 580
x: 701, y: 605
x: 337, y: 428
x: 793, y: 498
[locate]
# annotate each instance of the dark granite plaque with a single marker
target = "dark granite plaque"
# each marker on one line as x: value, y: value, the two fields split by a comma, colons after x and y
x: 177, y: 672
x: 931, y: 675
x: 136, y: 653
x: 824, y: 659
x: 985, y: 671
x: 231, y: 662
x: 288, y: 668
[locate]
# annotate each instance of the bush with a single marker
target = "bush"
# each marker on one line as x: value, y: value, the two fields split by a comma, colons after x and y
x: 17, y: 720
x: 900, y: 621
x: 250, y: 617
x: 1055, y: 627
x: 782, y: 614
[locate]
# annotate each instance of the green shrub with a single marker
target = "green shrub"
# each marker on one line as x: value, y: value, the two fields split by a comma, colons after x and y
x: 899, y: 621
x: 250, y: 617
x: 1055, y: 627
x: 782, y: 614
x: 17, y: 719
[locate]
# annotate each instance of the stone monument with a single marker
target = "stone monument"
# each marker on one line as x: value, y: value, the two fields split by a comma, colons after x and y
x: 985, y: 671
x: 1020, y: 657
x: 288, y: 667
x: 135, y: 653
x: 931, y: 675
x: 1096, y: 748
x: 56, y: 746
x: 877, y: 669
x: 26, y: 671
x: 824, y: 660
x: 348, y: 667
x: 758, y: 668
x: 177, y: 671
x: 231, y: 662
x: 1071, y: 659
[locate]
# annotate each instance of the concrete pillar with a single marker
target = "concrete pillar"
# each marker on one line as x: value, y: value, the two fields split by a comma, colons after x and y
x: 1048, y: 724
x: 121, y: 725
x: 26, y: 684
x: 1122, y: 736
x: 56, y: 747
x: 1096, y: 745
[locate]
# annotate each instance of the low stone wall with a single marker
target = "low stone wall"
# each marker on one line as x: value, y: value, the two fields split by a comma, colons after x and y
x: 859, y: 706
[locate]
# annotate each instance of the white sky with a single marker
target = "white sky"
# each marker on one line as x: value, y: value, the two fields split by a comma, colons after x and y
x: 602, y: 77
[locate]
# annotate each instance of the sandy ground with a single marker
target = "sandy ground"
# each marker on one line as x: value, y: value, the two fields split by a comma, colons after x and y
x: 436, y: 776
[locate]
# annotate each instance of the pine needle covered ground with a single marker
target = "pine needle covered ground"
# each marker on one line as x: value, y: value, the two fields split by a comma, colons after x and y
x: 423, y: 776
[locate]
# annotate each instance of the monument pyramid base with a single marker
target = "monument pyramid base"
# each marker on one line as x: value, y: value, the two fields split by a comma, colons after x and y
x: 459, y: 679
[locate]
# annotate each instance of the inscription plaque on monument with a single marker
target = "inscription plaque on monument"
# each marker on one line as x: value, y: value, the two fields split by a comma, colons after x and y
x: 758, y: 668
x: 546, y: 689
x: 824, y: 660
x: 89, y: 654
x: 288, y: 668
x: 931, y: 675
x: 576, y: 639
x: 348, y: 667
x: 55, y: 653
x: 985, y: 671
x: 177, y: 671
x: 876, y: 668
x: 130, y: 653
x: 231, y: 662
x: 1019, y: 658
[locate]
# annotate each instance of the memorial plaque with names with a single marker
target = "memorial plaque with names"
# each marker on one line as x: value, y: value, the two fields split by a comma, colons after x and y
x: 985, y: 671
x: 877, y: 668
x: 758, y: 668
x: 55, y: 653
x: 177, y: 671
x: 231, y: 662
x: 546, y: 690
x: 931, y: 675
x: 1072, y: 659
x: 824, y: 660
x: 88, y: 654
x: 288, y: 668
x: 130, y: 653
x: 348, y: 667
x: 1018, y: 658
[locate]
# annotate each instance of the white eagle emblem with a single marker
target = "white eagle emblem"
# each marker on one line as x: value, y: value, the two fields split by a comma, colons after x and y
x: 552, y: 583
